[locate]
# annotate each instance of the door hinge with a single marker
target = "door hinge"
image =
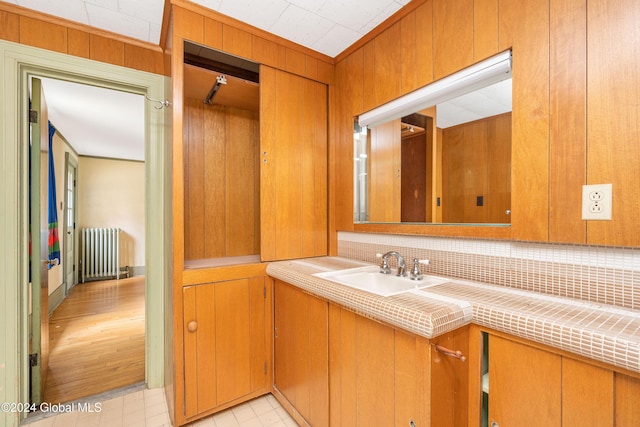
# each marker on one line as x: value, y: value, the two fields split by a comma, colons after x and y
x: 265, y: 368
x: 33, y: 359
x: 265, y: 291
x: 33, y: 116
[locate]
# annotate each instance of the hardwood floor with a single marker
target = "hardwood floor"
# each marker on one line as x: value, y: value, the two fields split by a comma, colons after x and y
x: 96, y: 340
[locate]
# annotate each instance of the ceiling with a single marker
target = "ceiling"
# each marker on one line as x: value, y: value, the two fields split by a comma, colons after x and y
x: 326, y: 26
x: 95, y: 121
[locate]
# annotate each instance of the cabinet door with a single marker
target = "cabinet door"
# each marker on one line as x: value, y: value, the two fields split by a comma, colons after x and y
x: 587, y: 395
x: 627, y: 410
x: 225, y: 344
x: 379, y: 376
x: 524, y: 385
x: 301, y: 352
x: 450, y: 380
x: 293, y: 169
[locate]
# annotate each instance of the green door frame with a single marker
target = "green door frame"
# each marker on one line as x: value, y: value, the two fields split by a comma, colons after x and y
x: 17, y: 63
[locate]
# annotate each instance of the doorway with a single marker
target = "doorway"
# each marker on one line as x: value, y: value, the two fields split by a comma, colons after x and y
x: 19, y: 63
x: 96, y: 328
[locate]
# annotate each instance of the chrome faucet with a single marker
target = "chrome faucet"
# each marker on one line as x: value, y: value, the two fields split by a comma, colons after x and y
x: 384, y: 267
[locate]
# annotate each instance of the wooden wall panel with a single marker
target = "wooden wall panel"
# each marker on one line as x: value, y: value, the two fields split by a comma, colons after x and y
x: 310, y: 67
x: 485, y: 29
x: 320, y: 170
x: 388, y: 65
x: 369, y: 77
x: 188, y: 25
x: 613, y: 127
x: 221, y: 196
x: 268, y: 52
x: 241, y: 182
x: 347, y: 104
x: 526, y: 25
x: 408, y: 53
x: 9, y: 26
x: 143, y: 59
x: 194, y: 189
x: 78, y: 43
x: 295, y: 62
x: 452, y: 36
x: 236, y: 41
x: 568, y: 120
x: 106, y: 50
x: 213, y: 36
x: 325, y: 72
x: 45, y: 35
x: 424, y: 44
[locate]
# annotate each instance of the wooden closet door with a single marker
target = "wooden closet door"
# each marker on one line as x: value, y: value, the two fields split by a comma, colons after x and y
x: 293, y: 189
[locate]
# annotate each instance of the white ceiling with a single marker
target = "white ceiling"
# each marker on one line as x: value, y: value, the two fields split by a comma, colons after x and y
x: 95, y: 121
x: 327, y: 26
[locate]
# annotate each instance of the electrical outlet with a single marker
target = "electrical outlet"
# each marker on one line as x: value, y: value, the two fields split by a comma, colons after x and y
x: 596, y: 202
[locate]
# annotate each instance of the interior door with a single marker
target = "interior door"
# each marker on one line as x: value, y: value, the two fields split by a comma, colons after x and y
x: 39, y: 345
x: 69, y: 264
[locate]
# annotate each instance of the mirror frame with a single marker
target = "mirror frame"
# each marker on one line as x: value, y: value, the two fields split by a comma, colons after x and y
x: 489, y: 230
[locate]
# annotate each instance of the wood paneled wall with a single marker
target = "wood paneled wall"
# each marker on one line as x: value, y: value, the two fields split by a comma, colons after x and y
x: 36, y: 29
x: 221, y: 181
x: 575, y: 116
x: 476, y: 161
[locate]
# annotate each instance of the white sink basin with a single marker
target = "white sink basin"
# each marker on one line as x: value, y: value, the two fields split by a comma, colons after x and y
x: 371, y: 280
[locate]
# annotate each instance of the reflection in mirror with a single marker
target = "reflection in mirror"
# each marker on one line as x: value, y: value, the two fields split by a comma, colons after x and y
x: 447, y: 163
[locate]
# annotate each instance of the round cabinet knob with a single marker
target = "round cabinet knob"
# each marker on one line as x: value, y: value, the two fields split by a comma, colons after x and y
x: 192, y: 326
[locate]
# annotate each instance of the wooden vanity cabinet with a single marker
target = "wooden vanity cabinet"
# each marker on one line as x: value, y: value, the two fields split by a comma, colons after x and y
x: 226, y: 343
x: 531, y: 385
x: 335, y: 367
x: 301, y: 354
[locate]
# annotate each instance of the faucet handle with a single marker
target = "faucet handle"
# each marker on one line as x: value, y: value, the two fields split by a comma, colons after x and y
x: 384, y: 267
x: 415, y: 273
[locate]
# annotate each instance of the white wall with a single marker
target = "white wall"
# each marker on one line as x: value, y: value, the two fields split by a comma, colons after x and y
x: 111, y: 193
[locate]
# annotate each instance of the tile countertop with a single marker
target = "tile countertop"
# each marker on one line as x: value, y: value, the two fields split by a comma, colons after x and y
x: 601, y: 332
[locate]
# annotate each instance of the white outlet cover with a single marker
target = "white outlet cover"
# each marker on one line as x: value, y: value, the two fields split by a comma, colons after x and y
x: 600, y: 209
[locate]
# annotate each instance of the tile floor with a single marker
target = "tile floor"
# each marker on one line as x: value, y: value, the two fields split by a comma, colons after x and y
x: 148, y: 408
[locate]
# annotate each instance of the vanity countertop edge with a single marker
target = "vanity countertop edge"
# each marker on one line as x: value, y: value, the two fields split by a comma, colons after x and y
x: 601, y: 332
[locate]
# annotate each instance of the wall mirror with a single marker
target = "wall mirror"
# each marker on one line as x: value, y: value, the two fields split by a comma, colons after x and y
x: 440, y: 154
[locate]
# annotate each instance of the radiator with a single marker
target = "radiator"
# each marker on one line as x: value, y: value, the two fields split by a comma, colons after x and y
x: 100, y: 254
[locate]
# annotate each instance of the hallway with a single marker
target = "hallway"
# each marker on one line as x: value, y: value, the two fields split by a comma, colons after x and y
x: 97, y: 340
